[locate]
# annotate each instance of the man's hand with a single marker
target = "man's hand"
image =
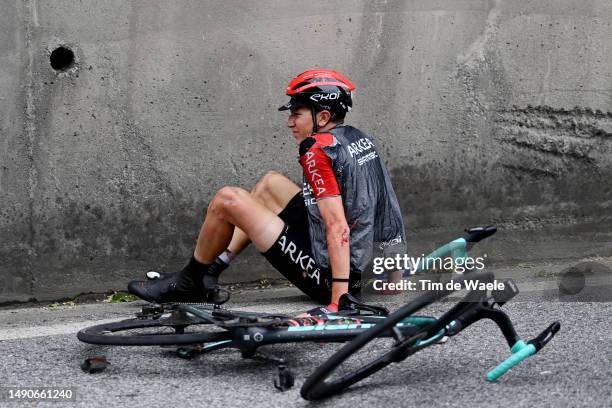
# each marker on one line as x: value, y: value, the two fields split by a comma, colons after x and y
x: 321, y: 311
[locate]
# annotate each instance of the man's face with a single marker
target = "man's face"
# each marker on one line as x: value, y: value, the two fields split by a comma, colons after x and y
x: 300, y: 123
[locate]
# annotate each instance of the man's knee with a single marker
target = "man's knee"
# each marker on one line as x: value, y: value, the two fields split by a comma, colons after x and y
x: 227, y: 199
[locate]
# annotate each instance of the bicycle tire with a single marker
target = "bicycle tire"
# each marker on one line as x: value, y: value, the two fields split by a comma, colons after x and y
x: 316, y: 387
x: 104, y: 334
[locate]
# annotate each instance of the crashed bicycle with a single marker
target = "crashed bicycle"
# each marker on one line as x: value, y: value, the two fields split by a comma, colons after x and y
x: 202, y: 328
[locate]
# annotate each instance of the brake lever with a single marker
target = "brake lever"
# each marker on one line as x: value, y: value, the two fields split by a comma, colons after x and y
x: 543, y: 338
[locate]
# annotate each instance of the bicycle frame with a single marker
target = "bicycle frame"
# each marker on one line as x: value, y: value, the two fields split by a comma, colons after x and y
x: 248, y: 337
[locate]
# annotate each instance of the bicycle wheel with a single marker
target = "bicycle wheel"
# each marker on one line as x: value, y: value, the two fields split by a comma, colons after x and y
x: 152, y: 332
x: 383, y: 344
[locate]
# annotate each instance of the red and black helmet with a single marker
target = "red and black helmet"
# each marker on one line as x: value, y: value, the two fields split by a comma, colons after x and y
x: 321, y: 89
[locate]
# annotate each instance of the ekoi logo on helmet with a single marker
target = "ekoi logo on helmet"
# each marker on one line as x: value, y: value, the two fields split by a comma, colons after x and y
x: 325, y: 97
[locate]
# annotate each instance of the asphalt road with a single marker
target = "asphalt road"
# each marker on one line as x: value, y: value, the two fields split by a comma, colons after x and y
x: 38, y: 348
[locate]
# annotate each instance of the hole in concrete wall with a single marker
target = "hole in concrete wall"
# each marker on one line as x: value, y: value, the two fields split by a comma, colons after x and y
x: 61, y: 59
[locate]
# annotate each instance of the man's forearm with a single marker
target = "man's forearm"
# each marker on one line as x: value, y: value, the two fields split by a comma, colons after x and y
x: 339, y: 259
x: 338, y: 234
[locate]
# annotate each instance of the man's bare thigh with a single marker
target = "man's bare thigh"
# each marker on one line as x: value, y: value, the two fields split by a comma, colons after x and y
x: 275, y: 191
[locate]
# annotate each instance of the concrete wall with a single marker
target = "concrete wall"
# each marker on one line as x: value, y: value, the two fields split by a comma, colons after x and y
x: 485, y: 111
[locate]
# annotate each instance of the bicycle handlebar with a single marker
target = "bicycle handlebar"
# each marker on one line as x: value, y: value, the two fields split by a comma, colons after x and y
x: 521, y: 351
x: 519, y: 354
x: 458, y: 248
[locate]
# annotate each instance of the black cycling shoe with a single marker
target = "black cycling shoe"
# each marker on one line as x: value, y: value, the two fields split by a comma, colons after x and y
x: 215, y: 270
x: 196, y: 283
x: 176, y: 287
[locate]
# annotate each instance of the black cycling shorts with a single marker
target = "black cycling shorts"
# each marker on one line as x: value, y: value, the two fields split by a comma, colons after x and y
x: 291, y: 255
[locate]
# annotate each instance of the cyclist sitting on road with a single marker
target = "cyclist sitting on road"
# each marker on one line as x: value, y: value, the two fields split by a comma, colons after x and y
x: 320, y: 236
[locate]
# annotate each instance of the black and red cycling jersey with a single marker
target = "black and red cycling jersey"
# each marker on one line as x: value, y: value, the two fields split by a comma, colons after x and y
x: 344, y: 162
x: 317, y: 166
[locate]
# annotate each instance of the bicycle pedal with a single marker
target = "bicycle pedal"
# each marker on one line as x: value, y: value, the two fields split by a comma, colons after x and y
x: 150, y: 311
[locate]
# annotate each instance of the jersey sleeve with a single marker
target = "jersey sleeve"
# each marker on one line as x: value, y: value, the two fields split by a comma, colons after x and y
x: 317, y: 166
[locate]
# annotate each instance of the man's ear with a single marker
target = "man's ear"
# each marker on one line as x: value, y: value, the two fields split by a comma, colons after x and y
x: 323, y: 118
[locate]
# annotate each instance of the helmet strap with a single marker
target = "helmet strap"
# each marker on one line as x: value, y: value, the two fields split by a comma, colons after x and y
x: 315, y: 125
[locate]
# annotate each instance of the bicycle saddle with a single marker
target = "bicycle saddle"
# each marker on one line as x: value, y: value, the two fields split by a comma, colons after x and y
x: 349, y: 303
